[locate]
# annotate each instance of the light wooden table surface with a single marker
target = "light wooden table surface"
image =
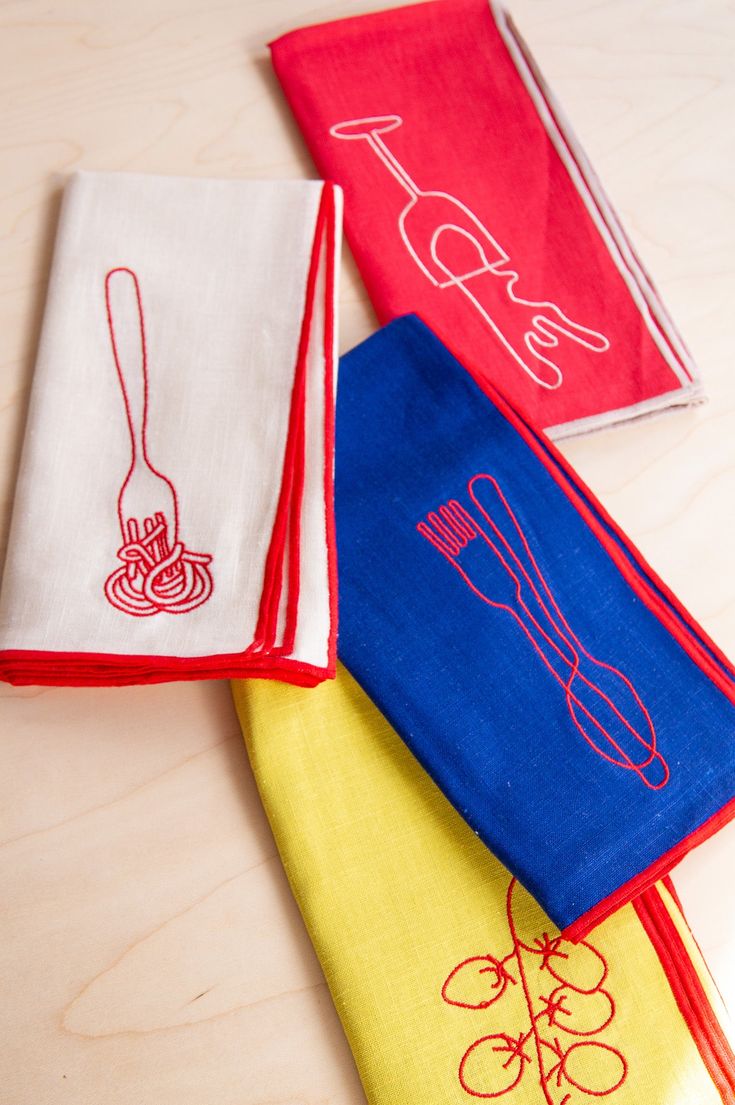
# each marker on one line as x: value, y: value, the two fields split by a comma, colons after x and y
x: 150, y: 953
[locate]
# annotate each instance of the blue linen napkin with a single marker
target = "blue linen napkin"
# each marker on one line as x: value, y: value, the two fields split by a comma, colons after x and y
x: 560, y: 696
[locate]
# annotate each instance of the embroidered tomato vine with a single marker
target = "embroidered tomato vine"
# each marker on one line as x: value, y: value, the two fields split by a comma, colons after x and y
x: 578, y: 1005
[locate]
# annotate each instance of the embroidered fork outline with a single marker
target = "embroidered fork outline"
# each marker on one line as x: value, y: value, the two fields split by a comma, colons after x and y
x: 450, y: 530
x: 545, y: 330
x: 566, y: 627
x: 551, y: 1056
x: 158, y: 574
x: 463, y: 529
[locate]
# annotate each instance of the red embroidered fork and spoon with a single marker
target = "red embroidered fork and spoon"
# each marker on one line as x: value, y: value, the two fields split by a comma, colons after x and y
x: 504, y: 573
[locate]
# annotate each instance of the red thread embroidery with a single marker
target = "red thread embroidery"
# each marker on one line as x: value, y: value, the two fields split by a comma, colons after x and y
x: 521, y: 589
x: 578, y: 1005
x: 159, y: 574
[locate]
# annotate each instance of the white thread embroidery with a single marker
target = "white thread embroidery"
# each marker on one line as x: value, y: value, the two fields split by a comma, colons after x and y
x: 547, y: 321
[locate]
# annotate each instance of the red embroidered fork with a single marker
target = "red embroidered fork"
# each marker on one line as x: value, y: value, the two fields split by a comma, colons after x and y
x: 493, y: 579
x: 591, y: 675
x: 158, y: 572
x: 147, y: 497
x: 601, y: 717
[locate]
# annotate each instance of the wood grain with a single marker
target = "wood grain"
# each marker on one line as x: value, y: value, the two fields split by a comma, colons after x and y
x: 150, y: 951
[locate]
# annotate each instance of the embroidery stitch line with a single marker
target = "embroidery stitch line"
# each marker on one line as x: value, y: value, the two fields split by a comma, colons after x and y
x: 522, y: 591
x: 494, y: 1064
x: 547, y: 322
x: 159, y: 574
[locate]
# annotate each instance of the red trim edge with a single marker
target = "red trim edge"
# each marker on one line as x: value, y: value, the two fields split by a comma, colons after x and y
x: 286, y: 526
x: 688, y: 991
x: 109, y: 669
x: 329, y: 437
x: 645, y: 879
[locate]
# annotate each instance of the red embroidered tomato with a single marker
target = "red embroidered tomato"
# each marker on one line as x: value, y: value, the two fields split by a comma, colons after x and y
x: 579, y: 966
x: 575, y: 1012
x: 494, y: 1064
x: 477, y: 982
x: 593, y: 1068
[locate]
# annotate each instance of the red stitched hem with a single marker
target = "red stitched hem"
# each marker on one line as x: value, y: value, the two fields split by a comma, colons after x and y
x: 669, y: 884
x: 667, y: 881
x: 288, y: 511
x: 578, y: 929
x: 329, y: 433
x: 43, y: 668
x: 689, y: 993
x: 27, y: 667
x: 699, y: 636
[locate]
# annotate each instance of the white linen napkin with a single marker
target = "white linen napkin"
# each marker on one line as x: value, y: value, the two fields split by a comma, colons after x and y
x: 173, y: 515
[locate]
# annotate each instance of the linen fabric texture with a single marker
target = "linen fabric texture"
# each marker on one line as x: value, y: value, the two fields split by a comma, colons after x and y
x: 451, y: 984
x: 469, y: 201
x: 174, y: 509
x: 557, y: 692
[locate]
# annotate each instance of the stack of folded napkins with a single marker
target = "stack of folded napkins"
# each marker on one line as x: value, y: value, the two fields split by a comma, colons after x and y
x: 173, y: 517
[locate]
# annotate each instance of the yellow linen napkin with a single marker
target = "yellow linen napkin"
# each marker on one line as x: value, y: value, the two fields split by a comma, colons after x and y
x: 451, y: 983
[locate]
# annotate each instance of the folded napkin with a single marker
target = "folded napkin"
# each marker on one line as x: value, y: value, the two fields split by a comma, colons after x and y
x: 469, y: 201
x: 560, y: 696
x: 173, y: 515
x: 450, y: 982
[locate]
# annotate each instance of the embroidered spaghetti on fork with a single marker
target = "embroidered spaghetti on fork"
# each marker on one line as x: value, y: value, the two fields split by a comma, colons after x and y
x: 158, y: 574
